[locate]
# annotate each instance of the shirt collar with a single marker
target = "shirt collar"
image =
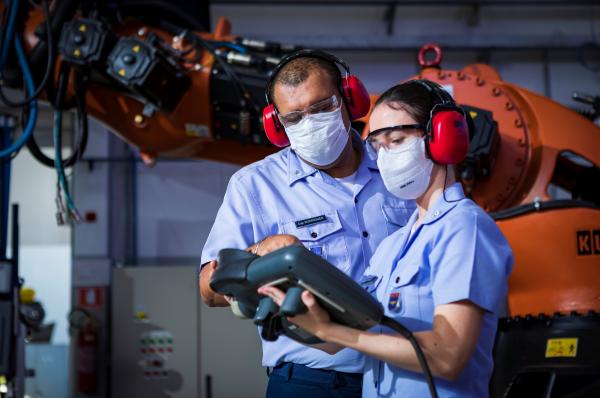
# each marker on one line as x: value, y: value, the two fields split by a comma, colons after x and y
x: 298, y: 169
x: 445, y: 203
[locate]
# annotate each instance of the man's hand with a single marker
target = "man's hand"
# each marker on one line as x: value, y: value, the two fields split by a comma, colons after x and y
x: 272, y: 243
x: 267, y: 245
x: 209, y: 296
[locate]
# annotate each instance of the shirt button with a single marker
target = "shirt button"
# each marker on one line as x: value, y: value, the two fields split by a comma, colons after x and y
x: 365, y: 234
x: 297, y: 172
x: 397, y: 279
x: 437, y: 213
x: 314, y: 234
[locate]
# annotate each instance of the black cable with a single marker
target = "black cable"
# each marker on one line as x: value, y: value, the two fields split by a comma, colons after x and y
x: 243, y: 92
x: 49, y: 67
x: 407, y: 334
x: 230, y: 73
x: 541, y: 206
x: 444, y: 191
x: 83, y: 128
x: 3, y: 23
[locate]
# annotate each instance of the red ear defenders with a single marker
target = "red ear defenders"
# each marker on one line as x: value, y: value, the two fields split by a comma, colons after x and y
x: 354, y: 95
x: 447, y: 131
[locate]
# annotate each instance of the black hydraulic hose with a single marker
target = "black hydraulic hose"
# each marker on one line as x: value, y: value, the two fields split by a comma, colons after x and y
x: 49, y: 66
x: 407, y: 334
x: 541, y: 206
x: 33, y: 146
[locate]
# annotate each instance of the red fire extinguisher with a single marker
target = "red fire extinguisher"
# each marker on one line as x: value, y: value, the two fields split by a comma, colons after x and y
x: 86, y: 357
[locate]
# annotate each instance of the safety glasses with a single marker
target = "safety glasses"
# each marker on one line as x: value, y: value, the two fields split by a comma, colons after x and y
x: 327, y: 105
x: 394, y: 136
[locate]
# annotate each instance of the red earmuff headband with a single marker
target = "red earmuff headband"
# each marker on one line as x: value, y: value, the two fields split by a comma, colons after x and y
x: 447, y: 132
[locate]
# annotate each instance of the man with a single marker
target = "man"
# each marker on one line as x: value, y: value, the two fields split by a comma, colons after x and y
x: 325, y: 192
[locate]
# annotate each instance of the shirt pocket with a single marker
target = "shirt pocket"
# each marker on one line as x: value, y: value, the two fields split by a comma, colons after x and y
x: 402, y: 297
x: 324, y: 238
x: 396, y: 217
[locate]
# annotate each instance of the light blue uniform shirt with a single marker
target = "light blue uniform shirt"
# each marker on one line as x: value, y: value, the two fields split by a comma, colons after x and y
x: 281, y: 194
x: 457, y: 253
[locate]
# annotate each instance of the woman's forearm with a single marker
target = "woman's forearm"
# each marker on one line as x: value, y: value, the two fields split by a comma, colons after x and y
x: 395, y: 349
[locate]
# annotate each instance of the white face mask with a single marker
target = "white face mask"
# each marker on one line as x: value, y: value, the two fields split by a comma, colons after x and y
x: 320, y: 138
x: 405, y: 170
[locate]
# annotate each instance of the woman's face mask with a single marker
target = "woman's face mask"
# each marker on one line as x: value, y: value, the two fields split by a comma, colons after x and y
x: 319, y: 138
x: 405, y: 169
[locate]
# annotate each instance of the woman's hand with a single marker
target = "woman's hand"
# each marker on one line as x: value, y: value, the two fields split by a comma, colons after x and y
x: 316, y: 320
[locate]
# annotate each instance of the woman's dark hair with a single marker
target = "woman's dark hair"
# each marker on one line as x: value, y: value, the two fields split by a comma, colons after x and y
x: 413, y: 97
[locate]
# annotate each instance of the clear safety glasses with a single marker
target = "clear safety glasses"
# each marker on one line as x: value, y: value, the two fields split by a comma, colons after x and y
x: 327, y: 105
x: 394, y: 136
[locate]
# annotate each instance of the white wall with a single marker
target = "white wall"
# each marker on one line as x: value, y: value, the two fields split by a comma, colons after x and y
x: 47, y: 269
x: 177, y: 204
x: 33, y: 187
x: 45, y: 247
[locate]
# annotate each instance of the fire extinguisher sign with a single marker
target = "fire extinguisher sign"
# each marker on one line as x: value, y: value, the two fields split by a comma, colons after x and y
x: 89, y: 297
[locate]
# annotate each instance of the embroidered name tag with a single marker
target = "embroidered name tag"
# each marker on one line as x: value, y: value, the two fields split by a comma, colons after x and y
x: 310, y: 221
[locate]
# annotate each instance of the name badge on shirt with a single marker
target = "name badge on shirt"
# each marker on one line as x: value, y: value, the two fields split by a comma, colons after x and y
x: 310, y: 221
x: 395, y: 303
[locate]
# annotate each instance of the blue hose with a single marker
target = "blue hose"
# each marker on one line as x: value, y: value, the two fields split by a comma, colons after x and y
x: 233, y: 46
x: 10, y: 30
x: 33, y: 109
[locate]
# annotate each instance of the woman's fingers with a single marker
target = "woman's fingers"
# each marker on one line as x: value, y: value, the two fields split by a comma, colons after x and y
x: 274, y: 293
x: 309, y: 299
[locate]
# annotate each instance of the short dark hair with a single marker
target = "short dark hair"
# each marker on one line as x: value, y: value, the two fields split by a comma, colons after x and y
x: 412, y: 97
x: 298, y: 70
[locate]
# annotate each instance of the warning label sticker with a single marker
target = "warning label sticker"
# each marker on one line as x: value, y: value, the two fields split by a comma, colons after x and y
x: 564, y: 347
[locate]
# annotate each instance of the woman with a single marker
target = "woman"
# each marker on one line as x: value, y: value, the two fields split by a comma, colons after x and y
x: 443, y: 275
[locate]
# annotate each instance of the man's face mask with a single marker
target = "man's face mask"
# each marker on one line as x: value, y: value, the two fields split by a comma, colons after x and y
x: 317, y: 134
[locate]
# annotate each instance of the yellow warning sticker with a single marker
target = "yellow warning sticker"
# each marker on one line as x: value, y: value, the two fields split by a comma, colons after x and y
x: 473, y: 114
x: 121, y: 72
x: 565, y: 347
x: 136, y: 49
x: 82, y: 28
x: 77, y: 52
